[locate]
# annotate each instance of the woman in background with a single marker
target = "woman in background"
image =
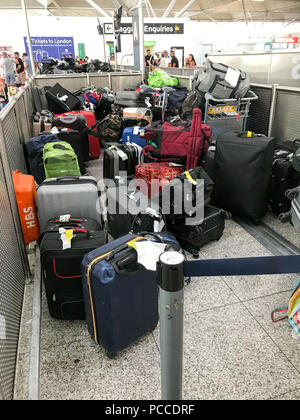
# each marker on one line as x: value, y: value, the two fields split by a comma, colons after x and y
x: 190, y: 61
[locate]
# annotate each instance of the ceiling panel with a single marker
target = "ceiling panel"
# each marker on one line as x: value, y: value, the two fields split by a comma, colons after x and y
x: 221, y: 10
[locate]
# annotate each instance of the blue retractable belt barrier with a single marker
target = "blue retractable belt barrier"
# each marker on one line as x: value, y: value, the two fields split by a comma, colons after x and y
x: 243, y: 266
x: 171, y: 272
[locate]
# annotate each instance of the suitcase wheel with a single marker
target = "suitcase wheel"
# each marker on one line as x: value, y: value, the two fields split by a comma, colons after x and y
x: 285, y: 217
x: 111, y: 355
x: 195, y: 254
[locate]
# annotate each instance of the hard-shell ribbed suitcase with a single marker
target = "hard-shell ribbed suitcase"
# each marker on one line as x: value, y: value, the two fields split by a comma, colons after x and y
x: 25, y: 191
x: 61, y: 269
x: 119, y: 158
x: 120, y: 295
x: 193, y: 238
x: 72, y: 195
x: 129, y: 137
x: 60, y: 160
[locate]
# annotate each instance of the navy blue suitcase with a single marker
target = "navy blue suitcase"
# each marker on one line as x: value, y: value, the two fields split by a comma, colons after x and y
x: 120, y: 295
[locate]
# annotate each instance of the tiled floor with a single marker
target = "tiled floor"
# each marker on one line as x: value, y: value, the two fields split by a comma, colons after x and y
x: 232, y: 350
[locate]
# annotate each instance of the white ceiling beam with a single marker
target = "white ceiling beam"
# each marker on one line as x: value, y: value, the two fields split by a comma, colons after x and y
x: 185, y: 8
x: 169, y: 8
x: 98, y: 8
x: 151, y: 8
x: 244, y: 10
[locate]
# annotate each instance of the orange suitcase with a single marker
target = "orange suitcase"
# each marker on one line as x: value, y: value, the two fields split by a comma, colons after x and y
x: 25, y: 190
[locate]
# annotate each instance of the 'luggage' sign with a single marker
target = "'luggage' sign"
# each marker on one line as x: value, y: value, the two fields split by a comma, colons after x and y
x: 149, y: 28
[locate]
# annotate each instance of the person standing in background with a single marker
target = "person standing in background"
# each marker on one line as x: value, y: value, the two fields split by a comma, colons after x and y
x: 190, y: 61
x: 20, y: 69
x: 148, y: 58
x: 9, y: 70
x: 165, y: 61
x: 174, y: 60
x: 27, y: 65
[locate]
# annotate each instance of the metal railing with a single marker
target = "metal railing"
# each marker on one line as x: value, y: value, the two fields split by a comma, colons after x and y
x: 15, y: 129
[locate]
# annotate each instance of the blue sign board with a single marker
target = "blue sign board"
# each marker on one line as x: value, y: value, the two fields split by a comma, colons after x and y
x: 50, y: 47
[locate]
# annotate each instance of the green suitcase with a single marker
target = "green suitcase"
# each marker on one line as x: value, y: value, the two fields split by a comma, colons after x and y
x: 60, y: 160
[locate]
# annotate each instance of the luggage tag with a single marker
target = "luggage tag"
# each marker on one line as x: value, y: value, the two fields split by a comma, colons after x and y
x: 66, y: 237
x: 188, y: 176
x: 54, y: 130
x: 136, y: 130
x: 120, y: 152
x: 65, y: 218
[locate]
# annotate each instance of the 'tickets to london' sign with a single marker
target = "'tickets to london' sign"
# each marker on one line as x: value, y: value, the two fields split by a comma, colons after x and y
x: 149, y: 28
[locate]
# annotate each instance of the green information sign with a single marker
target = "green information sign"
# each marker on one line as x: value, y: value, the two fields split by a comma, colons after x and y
x: 81, y: 51
x: 149, y: 43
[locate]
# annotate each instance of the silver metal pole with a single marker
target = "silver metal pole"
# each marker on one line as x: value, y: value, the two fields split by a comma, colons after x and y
x: 141, y: 39
x: 29, y: 38
x: 171, y: 298
x: 272, y: 109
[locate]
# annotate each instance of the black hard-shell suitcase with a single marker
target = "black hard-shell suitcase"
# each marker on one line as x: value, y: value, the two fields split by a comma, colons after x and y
x: 243, y: 167
x: 62, y: 100
x: 193, y: 238
x: 79, y: 142
x: 284, y: 176
x: 61, y: 269
x: 120, y: 295
x: 119, y: 158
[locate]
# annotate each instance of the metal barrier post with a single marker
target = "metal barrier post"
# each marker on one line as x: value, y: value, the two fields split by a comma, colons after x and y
x: 272, y: 109
x: 171, y: 283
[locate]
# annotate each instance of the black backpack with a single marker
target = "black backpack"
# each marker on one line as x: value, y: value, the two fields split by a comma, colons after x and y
x: 193, y: 100
x: 103, y: 107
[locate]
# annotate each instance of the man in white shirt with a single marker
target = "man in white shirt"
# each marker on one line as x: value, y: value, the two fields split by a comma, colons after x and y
x: 9, y: 68
x: 165, y: 61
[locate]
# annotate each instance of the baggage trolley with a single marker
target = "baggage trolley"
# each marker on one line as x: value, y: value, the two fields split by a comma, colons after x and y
x: 225, y: 109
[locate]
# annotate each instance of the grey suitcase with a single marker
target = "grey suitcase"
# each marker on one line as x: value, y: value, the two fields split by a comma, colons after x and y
x: 74, y: 195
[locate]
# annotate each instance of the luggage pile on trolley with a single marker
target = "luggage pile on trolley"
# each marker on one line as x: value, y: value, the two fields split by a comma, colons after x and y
x: 165, y: 184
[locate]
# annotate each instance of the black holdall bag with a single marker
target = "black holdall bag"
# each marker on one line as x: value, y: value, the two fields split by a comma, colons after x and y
x: 61, y: 269
x: 243, y: 168
x: 285, y: 175
x: 62, y: 100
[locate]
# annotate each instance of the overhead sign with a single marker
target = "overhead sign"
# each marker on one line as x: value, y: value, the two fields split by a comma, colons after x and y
x: 149, y: 28
x: 50, y: 47
x: 288, y: 40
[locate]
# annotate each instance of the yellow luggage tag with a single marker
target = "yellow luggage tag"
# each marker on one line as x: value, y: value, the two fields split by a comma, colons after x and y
x: 188, y: 175
x: 249, y: 134
x: 66, y: 237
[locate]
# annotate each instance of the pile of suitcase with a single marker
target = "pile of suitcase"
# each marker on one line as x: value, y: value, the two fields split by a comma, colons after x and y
x: 165, y: 183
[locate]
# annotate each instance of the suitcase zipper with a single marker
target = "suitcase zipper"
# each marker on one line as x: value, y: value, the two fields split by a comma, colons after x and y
x: 88, y: 273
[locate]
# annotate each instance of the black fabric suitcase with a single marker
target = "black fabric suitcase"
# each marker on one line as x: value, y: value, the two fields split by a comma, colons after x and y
x: 284, y: 176
x: 62, y: 100
x: 79, y: 142
x: 193, y: 238
x: 61, y: 269
x: 243, y: 168
x: 120, y: 295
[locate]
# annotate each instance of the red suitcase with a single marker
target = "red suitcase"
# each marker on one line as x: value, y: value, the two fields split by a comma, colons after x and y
x: 95, y: 150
